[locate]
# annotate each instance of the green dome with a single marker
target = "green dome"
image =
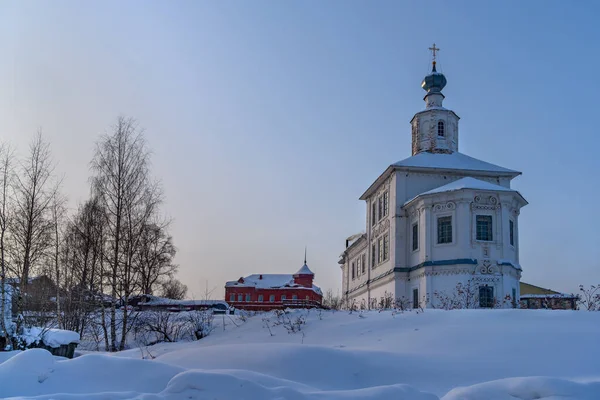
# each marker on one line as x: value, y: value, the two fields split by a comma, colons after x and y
x: 434, y: 82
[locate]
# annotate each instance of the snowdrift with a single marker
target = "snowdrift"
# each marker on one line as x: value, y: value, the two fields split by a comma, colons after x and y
x: 447, y: 355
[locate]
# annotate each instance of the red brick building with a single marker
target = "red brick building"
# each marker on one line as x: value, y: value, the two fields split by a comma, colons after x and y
x: 263, y: 292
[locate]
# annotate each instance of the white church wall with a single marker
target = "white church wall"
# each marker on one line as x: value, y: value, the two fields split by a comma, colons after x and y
x: 382, y: 288
x: 354, y: 255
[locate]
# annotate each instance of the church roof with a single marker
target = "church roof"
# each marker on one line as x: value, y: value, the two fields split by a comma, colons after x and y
x: 453, y: 161
x: 439, y: 162
x: 467, y: 183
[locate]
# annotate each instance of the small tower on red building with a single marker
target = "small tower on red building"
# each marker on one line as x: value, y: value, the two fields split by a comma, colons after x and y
x: 304, y: 277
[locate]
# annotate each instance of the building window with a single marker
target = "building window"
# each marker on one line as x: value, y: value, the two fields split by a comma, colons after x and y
x: 415, y: 298
x: 386, y: 247
x: 514, y: 298
x: 373, y: 255
x: 444, y: 230
x: 484, y: 227
x: 441, y: 128
x: 364, y: 263
x: 294, y: 297
x: 358, y: 266
x: 386, y: 203
x: 248, y: 298
x: 283, y: 297
x: 415, y: 237
x: 272, y: 298
x: 232, y: 297
x: 373, y: 212
x: 353, y: 270
x: 380, y: 248
x: 486, y: 296
x: 260, y: 298
x: 511, y: 228
x: 240, y: 297
x: 307, y: 298
x: 380, y: 207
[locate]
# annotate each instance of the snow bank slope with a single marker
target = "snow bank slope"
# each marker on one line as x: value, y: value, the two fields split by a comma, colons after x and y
x: 517, y: 354
x: 37, y: 372
x: 526, y: 389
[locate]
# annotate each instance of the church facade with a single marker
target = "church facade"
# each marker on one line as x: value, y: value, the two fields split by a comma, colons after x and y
x: 436, y: 220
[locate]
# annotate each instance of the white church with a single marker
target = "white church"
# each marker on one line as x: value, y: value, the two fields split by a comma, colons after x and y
x: 436, y: 219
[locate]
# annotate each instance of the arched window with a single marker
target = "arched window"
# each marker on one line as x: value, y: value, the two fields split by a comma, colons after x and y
x: 441, y: 128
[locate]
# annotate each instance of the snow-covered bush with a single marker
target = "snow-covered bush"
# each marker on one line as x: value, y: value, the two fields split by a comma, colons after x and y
x: 589, y: 298
x: 463, y: 296
x: 200, y: 323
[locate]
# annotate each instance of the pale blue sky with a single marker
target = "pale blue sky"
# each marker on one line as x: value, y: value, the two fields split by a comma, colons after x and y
x: 268, y: 119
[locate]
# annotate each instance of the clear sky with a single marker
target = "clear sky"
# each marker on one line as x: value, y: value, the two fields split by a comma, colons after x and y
x: 268, y: 119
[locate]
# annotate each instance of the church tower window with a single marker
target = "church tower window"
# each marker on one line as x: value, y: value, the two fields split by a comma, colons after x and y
x: 444, y: 230
x: 484, y: 228
x: 441, y: 131
x: 511, y: 228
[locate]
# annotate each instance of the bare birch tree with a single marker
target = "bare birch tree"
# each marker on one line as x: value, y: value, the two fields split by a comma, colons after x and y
x: 58, y: 214
x: 31, y: 225
x: 6, y: 170
x: 130, y: 198
x: 173, y: 289
x: 154, y: 258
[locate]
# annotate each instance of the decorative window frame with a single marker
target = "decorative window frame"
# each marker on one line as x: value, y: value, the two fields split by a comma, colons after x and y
x: 490, y: 213
x: 436, y: 218
x: 439, y: 210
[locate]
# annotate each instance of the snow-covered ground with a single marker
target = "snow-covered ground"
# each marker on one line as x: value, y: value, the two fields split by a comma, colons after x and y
x: 449, y: 355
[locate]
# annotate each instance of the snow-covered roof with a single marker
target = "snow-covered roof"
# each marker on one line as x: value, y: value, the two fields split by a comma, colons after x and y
x: 50, y: 337
x: 439, y: 162
x: 304, y: 270
x: 161, y: 301
x: 453, y: 161
x: 469, y: 183
x: 466, y: 183
x: 271, y: 281
x: 548, y: 296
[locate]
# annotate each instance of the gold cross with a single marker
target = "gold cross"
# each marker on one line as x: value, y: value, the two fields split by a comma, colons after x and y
x: 434, y: 50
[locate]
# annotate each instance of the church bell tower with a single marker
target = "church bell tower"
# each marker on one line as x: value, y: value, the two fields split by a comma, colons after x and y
x: 435, y: 129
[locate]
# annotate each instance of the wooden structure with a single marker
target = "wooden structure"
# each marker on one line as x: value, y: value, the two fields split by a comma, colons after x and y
x: 535, y: 297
